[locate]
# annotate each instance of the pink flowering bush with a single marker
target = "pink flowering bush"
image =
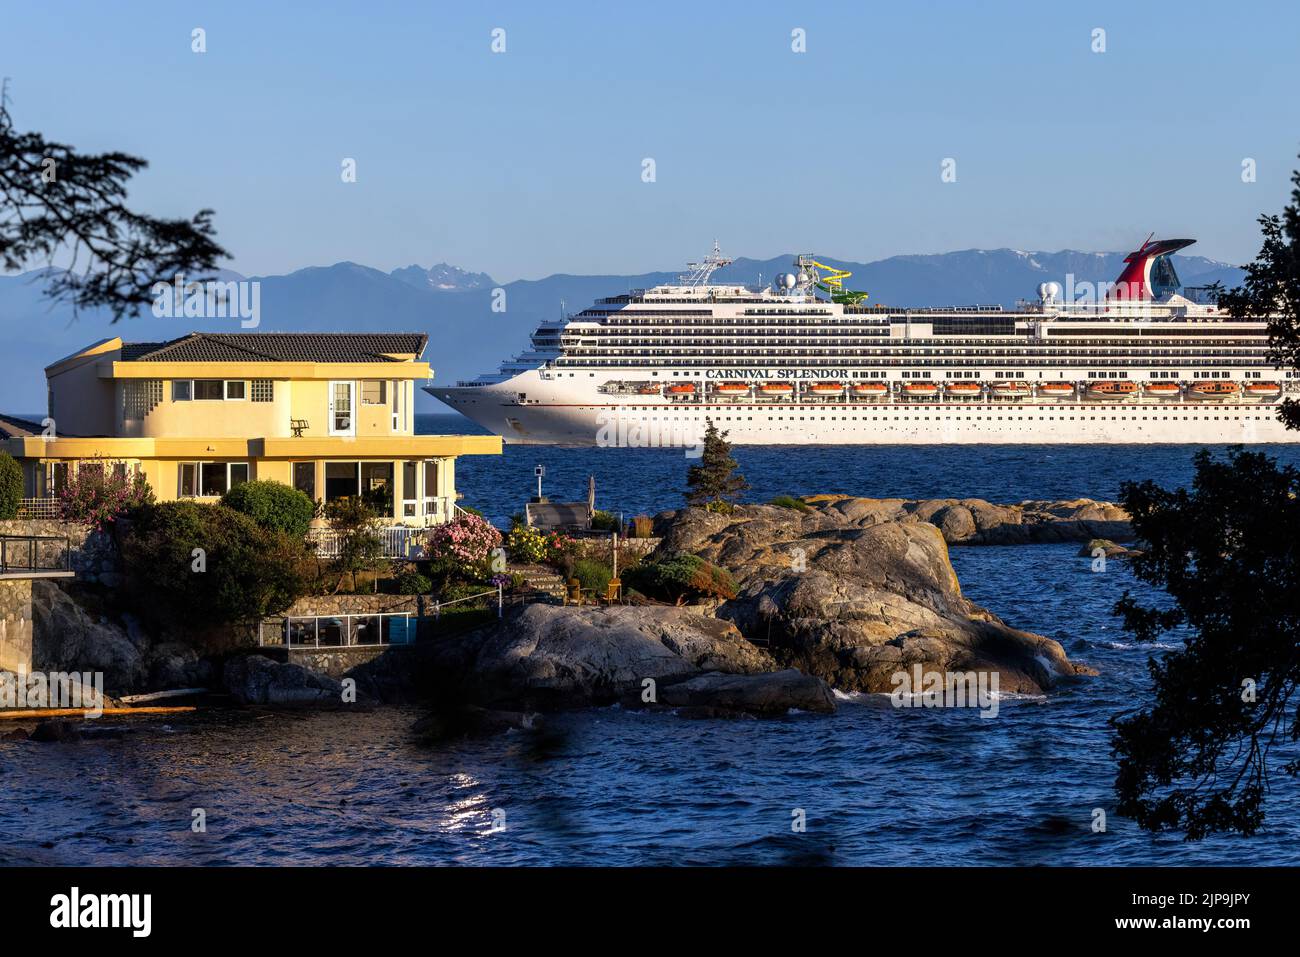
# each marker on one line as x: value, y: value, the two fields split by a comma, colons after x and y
x: 98, y: 495
x: 464, y: 545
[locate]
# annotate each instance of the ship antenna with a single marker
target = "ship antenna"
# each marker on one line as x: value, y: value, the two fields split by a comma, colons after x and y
x: 699, y: 272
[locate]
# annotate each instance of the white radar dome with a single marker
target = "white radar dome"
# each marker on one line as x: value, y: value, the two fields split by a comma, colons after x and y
x: 1049, y: 291
x: 788, y: 280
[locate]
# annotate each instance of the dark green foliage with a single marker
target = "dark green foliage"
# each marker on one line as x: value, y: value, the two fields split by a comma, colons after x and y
x: 1228, y: 552
x: 714, y: 478
x: 55, y: 201
x: 11, y: 486
x: 243, y: 573
x: 411, y: 582
x: 272, y: 505
x: 1271, y: 291
x: 604, y: 521
x: 592, y: 574
x: 789, y: 501
x: 680, y: 579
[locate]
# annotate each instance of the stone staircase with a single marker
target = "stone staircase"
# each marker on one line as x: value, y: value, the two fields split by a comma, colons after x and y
x: 542, y: 579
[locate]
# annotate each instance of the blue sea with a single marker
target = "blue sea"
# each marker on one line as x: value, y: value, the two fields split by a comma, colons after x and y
x: 877, y: 785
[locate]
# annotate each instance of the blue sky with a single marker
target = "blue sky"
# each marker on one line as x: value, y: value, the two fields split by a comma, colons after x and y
x: 529, y: 162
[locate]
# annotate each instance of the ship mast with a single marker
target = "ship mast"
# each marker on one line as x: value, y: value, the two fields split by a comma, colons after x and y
x: 699, y: 273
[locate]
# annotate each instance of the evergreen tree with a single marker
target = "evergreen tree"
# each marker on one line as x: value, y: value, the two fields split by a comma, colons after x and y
x: 1228, y: 552
x: 62, y: 207
x: 714, y: 480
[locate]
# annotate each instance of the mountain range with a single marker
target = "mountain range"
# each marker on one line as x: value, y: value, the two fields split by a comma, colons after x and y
x: 467, y: 336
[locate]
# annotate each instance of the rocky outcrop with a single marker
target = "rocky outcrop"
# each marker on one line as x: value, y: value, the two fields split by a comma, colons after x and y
x: 856, y: 600
x: 256, y: 679
x: 70, y: 636
x: 973, y: 521
x: 547, y: 656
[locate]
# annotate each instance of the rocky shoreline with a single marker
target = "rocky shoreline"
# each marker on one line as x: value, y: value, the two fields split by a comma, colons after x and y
x: 841, y: 595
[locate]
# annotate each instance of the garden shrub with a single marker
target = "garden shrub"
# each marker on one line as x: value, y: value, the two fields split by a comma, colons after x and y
x: 194, y: 567
x: 98, y: 495
x: 411, y: 582
x: 466, y: 544
x: 273, y: 505
x: 526, y: 545
x: 604, y: 521
x: 592, y: 574
x: 680, y: 579
x: 790, y: 502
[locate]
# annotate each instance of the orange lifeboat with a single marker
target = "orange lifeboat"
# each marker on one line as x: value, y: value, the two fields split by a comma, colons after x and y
x: 680, y: 388
x: 1214, y: 390
x: 776, y: 388
x: 963, y: 389
x: 920, y: 389
x: 731, y: 388
x: 1120, y: 389
x: 826, y: 388
x: 1056, y: 390
x: 870, y: 388
x: 1010, y: 390
x: 1264, y: 389
x: 648, y: 389
x: 1162, y: 389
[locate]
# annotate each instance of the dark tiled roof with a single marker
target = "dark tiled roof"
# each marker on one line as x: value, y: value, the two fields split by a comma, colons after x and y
x: 278, y: 347
x: 12, y: 427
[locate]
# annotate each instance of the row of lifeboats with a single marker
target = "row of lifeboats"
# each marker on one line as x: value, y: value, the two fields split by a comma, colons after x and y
x: 1117, y: 389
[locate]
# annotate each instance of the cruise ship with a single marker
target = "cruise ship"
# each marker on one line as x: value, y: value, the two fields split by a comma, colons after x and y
x: 805, y: 360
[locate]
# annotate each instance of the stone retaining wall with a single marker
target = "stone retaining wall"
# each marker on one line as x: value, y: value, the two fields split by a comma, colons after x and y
x: 16, y: 625
x: 335, y: 662
x: 94, y: 554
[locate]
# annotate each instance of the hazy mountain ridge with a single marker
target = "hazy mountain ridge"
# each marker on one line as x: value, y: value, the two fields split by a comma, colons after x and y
x: 467, y: 337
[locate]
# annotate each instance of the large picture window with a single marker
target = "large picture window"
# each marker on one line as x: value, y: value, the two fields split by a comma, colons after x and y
x: 209, y: 389
x: 210, y: 479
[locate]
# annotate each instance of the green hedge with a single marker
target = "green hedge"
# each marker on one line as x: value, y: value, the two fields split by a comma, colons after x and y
x: 272, y: 505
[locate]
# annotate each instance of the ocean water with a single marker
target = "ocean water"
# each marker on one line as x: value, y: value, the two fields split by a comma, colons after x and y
x: 877, y: 785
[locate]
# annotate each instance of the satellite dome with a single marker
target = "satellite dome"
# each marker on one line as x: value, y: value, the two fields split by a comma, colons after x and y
x: 788, y: 280
x: 1049, y: 291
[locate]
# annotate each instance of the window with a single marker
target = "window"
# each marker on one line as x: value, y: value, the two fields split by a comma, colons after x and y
x: 209, y: 389
x: 430, y: 487
x: 235, y: 389
x: 181, y: 390
x: 263, y: 390
x: 410, y: 489
x: 374, y: 392
x: 304, y: 478
x: 210, y: 479
x: 341, y: 408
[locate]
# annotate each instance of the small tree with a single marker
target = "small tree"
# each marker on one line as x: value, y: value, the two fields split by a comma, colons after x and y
x: 273, y: 505
x: 11, y: 486
x: 360, y: 548
x: 713, y: 481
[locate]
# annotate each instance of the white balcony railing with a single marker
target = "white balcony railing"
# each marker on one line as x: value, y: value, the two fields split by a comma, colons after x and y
x: 398, y: 541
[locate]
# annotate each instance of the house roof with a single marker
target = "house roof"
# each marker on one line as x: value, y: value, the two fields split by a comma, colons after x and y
x: 12, y: 427
x: 279, y: 347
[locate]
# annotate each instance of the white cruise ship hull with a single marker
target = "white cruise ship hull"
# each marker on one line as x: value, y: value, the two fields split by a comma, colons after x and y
x: 563, y: 414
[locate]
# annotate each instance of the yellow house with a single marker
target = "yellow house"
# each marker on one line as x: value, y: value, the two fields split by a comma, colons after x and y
x: 332, y: 414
